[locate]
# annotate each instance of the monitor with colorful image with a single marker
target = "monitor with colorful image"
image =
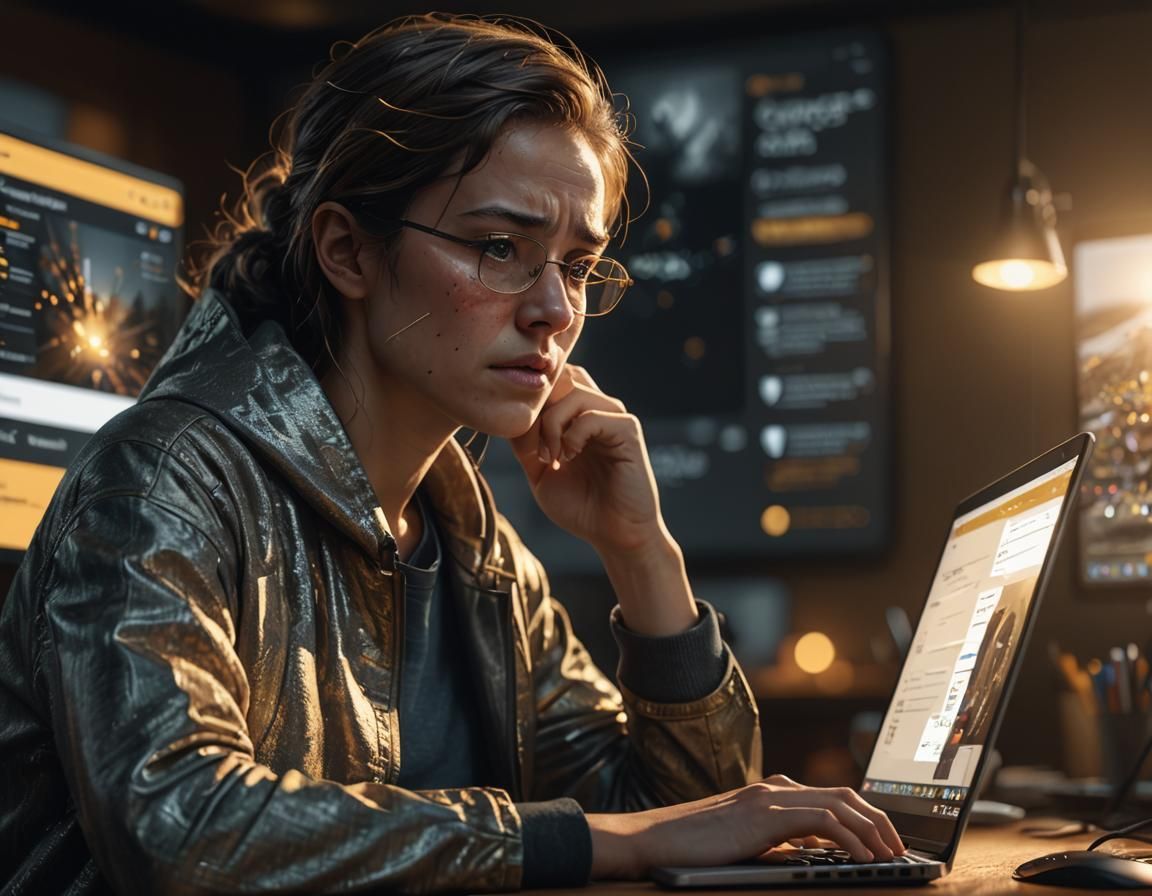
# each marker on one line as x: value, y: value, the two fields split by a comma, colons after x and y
x: 88, y: 303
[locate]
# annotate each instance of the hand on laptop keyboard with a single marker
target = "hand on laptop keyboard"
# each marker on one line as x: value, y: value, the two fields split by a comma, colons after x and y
x: 817, y: 856
x: 740, y: 825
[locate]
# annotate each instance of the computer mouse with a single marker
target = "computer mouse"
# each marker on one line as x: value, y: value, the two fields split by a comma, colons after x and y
x: 1088, y: 869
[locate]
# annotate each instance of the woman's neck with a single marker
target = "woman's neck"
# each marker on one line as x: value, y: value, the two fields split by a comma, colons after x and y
x: 396, y: 437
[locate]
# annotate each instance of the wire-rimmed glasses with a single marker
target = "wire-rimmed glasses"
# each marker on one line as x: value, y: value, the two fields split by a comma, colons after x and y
x: 511, y: 263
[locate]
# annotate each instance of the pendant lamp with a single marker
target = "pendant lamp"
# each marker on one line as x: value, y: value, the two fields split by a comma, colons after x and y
x: 1026, y: 254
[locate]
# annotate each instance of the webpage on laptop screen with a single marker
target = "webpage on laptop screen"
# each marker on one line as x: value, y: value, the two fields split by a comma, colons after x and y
x: 928, y: 748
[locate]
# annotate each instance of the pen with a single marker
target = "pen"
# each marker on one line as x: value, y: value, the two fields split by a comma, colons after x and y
x: 1122, y: 676
x: 1144, y: 682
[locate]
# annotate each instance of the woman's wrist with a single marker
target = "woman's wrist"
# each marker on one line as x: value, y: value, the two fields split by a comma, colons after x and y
x: 651, y: 585
x: 615, y: 847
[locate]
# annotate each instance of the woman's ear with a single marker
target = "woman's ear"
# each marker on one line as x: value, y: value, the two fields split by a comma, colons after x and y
x: 347, y: 261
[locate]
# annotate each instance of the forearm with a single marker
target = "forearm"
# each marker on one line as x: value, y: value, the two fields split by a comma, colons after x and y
x: 652, y: 587
x: 614, y: 846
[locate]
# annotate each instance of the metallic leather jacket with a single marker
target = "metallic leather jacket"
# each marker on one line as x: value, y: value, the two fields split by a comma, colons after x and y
x: 199, y: 661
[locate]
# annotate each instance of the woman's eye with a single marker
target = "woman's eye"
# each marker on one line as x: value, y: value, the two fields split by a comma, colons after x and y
x: 579, y: 270
x: 500, y: 250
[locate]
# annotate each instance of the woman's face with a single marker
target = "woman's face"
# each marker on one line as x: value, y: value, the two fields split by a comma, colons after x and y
x: 483, y: 359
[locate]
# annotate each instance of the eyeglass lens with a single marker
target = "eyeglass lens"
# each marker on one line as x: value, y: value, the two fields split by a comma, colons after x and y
x: 511, y: 264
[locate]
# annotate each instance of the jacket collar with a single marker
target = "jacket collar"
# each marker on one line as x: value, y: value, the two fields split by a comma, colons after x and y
x: 263, y: 392
x: 466, y: 514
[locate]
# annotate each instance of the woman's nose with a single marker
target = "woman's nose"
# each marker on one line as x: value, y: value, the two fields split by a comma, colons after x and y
x: 546, y: 302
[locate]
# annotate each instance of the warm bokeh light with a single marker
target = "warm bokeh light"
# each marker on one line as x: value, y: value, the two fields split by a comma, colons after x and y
x: 695, y: 348
x: 775, y: 520
x: 815, y: 652
x: 1018, y: 274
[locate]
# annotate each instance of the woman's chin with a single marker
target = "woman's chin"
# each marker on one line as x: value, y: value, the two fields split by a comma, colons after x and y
x: 508, y: 425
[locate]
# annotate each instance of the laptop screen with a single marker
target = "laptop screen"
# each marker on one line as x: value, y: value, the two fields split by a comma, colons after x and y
x: 944, y: 710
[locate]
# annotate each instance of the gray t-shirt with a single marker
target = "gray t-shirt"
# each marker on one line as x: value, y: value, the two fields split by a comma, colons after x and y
x: 440, y: 730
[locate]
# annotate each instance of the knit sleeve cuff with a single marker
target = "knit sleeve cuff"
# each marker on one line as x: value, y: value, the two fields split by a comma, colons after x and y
x: 557, y: 844
x: 676, y: 668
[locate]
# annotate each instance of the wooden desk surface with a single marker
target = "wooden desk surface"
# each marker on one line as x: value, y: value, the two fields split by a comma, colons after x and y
x: 983, y: 867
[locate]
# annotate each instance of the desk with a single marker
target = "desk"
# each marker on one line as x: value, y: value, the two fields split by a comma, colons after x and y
x: 983, y: 867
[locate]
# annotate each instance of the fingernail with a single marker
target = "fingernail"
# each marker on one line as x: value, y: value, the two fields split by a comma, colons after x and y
x: 555, y: 465
x: 544, y: 455
x: 567, y: 456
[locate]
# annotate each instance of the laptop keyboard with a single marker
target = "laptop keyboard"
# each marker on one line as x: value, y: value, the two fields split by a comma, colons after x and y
x: 825, y: 857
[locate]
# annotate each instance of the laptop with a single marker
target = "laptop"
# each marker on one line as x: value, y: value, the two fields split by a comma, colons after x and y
x: 950, y: 697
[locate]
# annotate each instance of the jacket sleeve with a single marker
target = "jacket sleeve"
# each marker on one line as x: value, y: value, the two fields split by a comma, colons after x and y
x: 610, y: 749
x: 149, y: 702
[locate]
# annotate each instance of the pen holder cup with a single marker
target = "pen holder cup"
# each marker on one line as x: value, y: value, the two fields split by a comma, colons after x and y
x: 1080, y: 734
x: 1123, y: 736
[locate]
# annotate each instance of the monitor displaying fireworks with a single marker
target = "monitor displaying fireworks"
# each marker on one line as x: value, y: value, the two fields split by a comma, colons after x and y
x: 98, y: 325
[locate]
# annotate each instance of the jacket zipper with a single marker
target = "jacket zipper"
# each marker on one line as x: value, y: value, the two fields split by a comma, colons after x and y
x: 397, y: 589
x: 510, y: 700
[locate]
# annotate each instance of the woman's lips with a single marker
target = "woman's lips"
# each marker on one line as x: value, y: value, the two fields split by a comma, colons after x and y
x: 529, y: 371
x: 524, y: 377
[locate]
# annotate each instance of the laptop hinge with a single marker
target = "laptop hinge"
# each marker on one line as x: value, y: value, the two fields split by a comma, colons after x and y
x: 928, y: 849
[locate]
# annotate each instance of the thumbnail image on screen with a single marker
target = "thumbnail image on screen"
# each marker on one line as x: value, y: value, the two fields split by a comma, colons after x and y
x: 1113, y: 287
x: 88, y: 304
x: 105, y: 310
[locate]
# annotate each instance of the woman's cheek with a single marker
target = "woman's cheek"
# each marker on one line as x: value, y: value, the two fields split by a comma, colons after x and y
x: 479, y: 316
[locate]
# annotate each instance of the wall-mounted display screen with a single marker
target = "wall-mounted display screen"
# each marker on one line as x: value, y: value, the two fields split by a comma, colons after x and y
x: 1113, y: 287
x: 754, y: 345
x: 88, y: 303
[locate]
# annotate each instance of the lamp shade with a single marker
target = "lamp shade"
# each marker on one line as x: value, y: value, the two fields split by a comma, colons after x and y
x: 1026, y: 254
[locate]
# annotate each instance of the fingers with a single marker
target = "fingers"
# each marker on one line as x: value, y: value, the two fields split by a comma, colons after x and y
x: 581, y: 376
x: 533, y: 447
x: 796, y: 821
x: 782, y: 781
x: 882, y: 822
x: 886, y: 842
x: 609, y: 430
x: 567, y: 424
x: 869, y: 826
x: 811, y: 842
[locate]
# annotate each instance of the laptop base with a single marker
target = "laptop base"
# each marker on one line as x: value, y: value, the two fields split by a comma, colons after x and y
x: 912, y: 873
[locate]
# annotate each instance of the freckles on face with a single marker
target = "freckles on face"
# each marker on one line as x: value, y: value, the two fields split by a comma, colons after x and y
x: 469, y: 301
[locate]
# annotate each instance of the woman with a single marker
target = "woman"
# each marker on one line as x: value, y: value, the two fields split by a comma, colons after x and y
x: 272, y: 635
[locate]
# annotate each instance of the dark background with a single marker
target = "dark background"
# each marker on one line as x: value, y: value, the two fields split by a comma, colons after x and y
x: 982, y: 380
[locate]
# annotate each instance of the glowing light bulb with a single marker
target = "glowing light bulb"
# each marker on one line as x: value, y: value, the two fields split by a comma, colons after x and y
x: 1017, y: 274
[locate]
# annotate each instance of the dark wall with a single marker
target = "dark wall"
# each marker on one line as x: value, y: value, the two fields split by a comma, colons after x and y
x: 158, y: 107
x: 982, y: 380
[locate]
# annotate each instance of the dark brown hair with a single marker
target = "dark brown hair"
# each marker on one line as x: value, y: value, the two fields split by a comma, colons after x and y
x: 417, y: 99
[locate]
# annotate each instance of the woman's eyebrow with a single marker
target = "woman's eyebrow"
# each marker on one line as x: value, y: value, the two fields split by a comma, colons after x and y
x: 529, y: 221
